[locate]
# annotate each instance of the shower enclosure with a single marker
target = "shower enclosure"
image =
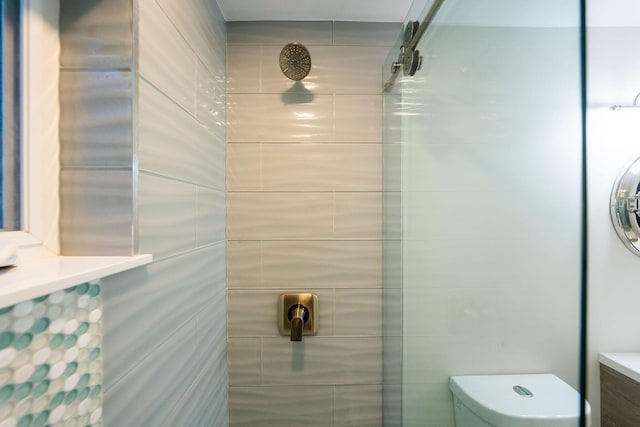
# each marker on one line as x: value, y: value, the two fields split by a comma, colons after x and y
x: 483, y: 208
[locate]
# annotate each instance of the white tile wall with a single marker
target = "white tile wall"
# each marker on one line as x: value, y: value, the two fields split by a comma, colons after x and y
x: 304, y: 183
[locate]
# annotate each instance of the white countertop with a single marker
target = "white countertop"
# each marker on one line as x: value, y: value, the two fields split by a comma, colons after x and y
x: 626, y: 363
x: 41, y: 276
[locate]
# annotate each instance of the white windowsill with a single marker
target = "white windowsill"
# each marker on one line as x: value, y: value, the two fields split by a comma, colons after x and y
x: 37, y: 276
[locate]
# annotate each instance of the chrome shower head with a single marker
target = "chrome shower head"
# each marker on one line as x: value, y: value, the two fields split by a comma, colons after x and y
x: 295, y: 61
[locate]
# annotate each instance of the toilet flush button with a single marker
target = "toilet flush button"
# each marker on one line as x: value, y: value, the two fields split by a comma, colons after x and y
x: 522, y: 391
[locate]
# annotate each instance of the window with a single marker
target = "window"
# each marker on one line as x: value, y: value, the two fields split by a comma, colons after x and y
x: 10, y: 123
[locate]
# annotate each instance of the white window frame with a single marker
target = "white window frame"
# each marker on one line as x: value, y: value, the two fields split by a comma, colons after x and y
x: 40, y: 112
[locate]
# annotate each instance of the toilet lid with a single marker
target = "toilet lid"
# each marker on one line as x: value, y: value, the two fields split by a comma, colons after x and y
x: 534, y: 400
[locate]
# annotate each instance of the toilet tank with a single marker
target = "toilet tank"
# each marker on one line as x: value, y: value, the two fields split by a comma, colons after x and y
x: 530, y: 400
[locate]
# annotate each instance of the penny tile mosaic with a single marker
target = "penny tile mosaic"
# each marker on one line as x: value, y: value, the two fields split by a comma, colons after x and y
x: 51, y: 360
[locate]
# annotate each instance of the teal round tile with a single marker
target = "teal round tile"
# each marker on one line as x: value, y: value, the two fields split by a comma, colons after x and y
x: 70, y: 397
x: 84, y: 393
x: 71, y: 289
x: 70, y: 341
x: 40, y: 389
x: 95, y: 392
x: 82, y: 328
x: 56, y: 341
x: 5, y: 310
x: 5, y: 393
x: 94, y: 290
x: 83, y: 381
x: 6, y: 339
x: 25, y: 421
x: 40, y: 373
x: 56, y: 400
x: 71, y: 369
x: 41, y: 299
x: 95, y: 353
x: 22, y: 341
x: 40, y: 325
x: 22, y: 391
x: 41, y: 419
x: 82, y: 289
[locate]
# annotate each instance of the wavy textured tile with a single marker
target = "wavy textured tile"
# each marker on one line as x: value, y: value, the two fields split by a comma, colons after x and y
x: 166, y: 215
x: 319, y: 360
x: 280, y: 406
x: 96, y: 214
x: 96, y: 119
x: 357, y: 406
x: 279, y: 215
x: 173, y: 143
x: 321, y: 264
x: 244, y: 265
x: 358, y: 215
x: 202, y: 25
x: 165, y: 59
x: 365, y: 33
x: 358, y: 312
x: 358, y: 118
x: 243, y: 69
x: 210, y: 216
x: 253, y: 313
x: 211, y: 101
x: 243, y: 166
x: 298, y: 265
x: 321, y: 167
x: 148, y: 394
x: 334, y: 69
x: 286, y: 117
x: 212, y: 319
x: 144, y: 305
x: 96, y: 34
x: 245, y: 366
x: 279, y: 32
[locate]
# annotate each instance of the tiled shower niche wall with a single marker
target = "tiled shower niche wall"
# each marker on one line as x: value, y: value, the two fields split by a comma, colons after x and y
x: 304, y: 213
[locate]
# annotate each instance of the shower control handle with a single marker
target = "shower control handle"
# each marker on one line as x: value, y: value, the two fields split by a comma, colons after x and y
x: 298, y: 315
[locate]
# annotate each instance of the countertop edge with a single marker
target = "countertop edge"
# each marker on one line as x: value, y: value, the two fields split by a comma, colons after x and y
x: 627, y: 364
x: 39, y: 277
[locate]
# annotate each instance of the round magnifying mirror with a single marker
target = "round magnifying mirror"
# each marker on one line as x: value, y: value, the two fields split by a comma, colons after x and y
x: 625, y: 206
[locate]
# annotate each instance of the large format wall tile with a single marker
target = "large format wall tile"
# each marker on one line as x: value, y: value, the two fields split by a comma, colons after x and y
x: 174, y: 144
x: 289, y: 117
x: 88, y: 40
x: 203, y: 27
x: 211, y: 98
x: 279, y: 406
x: 320, y: 360
x: 287, y: 216
x: 166, y: 215
x: 210, y: 216
x: 304, y: 184
x: 147, y: 395
x: 165, y: 58
x: 300, y: 265
x: 96, y: 119
x: 96, y: 212
x: 143, y: 305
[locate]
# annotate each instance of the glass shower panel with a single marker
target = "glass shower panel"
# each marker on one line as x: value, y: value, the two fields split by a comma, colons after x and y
x: 487, y: 164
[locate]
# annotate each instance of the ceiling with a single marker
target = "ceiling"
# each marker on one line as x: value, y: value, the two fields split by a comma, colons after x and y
x: 315, y: 10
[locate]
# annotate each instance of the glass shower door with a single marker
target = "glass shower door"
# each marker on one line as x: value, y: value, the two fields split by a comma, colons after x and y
x: 483, y: 209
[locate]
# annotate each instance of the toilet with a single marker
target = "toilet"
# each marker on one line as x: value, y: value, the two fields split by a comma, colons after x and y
x: 531, y: 400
